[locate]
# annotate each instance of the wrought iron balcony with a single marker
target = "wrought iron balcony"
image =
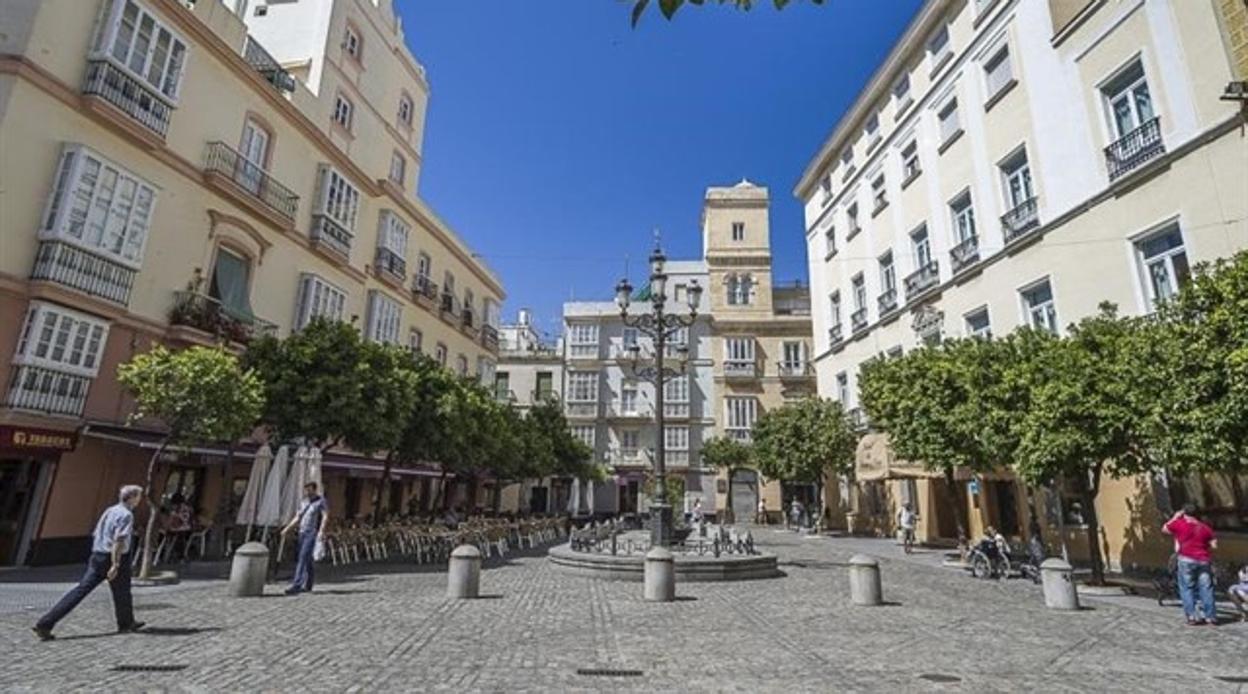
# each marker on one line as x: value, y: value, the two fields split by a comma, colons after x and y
x: 39, y: 389
x: 205, y: 313
x: 835, y: 334
x: 965, y: 254
x: 1135, y: 148
x: 390, y: 264
x: 1021, y: 220
x: 740, y: 369
x: 332, y: 236
x: 268, y: 67
x: 83, y: 270
x: 489, y: 337
x: 888, y: 301
x: 424, y: 290
x: 136, y: 99
x: 858, y: 319
x: 922, y: 280
x: 223, y: 159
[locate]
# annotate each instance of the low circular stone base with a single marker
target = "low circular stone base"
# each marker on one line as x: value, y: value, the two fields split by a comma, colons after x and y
x: 689, y: 568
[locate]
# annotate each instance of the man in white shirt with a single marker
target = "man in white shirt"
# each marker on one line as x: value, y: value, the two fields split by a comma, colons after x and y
x: 109, y: 561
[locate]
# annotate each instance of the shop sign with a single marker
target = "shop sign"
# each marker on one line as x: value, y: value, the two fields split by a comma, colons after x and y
x: 37, y: 440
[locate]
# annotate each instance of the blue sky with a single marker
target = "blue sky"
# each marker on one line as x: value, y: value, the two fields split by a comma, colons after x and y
x: 558, y: 137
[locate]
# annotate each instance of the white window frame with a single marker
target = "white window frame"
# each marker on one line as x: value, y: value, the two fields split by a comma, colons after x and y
x: 1016, y: 171
x: 61, y: 339
x: 829, y: 240
x: 424, y: 265
x: 415, y: 341
x: 406, y: 109
x: 948, y: 121
x: 344, y: 111
x: 630, y: 397
x: 676, y: 437
x: 901, y: 93
x: 398, y: 168
x: 859, y: 284
x: 740, y: 350
x: 842, y: 389
x: 351, y: 42
x: 583, y: 386
x: 962, y: 213
x: 339, y: 199
x: 888, y: 272
x: 440, y: 353
x: 393, y: 233
x: 162, y: 73
x: 939, y: 51
x: 583, y: 339
x: 83, y: 212
x: 1044, y: 314
x: 1129, y: 92
x: 921, y: 245
x: 385, y: 315
x: 996, y: 82
x: 461, y: 364
x: 871, y: 131
x: 585, y: 433
x: 971, y: 329
x: 1163, y: 262
x: 793, y: 353
x: 676, y: 389
x: 879, y: 192
x: 834, y: 308
x: 738, y: 231
x: 851, y: 221
x: 318, y: 298
x: 911, y: 165
x: 740, y: 413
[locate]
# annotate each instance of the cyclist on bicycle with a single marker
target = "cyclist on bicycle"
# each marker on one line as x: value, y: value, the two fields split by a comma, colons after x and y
x: 907, y: 519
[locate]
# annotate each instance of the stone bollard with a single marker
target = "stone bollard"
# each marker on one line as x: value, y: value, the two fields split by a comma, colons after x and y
x: 463, y: 579
x: 249, y: 570
x: 864, y: 581
x: 1059, y: 585
x: 660, y: 575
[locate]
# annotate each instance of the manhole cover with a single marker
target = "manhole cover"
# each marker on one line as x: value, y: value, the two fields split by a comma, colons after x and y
x: 148, y: 668
x: 1241, y: 679
x: 608, y: 672
x: 943, y: 679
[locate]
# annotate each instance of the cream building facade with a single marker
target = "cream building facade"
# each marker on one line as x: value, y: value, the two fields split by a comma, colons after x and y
x: 760, y: 336
x: 171, y: 176
x: 1018, y: 162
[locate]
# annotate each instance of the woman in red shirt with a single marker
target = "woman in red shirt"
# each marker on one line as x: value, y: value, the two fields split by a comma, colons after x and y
x: 1196, y: 543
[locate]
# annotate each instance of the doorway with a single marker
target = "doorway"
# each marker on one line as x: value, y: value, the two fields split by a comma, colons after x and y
x: 20, y: 485
x: 744, y: 494
x: 1007, y: 509
x: 628, y: 496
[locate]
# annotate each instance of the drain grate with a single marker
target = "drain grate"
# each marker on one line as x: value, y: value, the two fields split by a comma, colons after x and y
x: 148, y: 668
x: 1233, y: 679
x: 608, y: 672
x: 942, y: 679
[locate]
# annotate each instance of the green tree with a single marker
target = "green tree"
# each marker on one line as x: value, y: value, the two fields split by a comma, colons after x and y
x: 1088, y: 415
x: 805, y: 442
x: 201, y: 395
x: 729, y: 455
x: 389, y: 381
x: 669, y: 7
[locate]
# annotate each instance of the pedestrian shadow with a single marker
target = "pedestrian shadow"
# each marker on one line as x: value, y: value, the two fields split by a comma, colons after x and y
x: 177, y: 631
x: 342, y: 592
x: 686, y: 598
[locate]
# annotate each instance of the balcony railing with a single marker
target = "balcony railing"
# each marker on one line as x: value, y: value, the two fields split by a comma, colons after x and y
x: 268, y: 67
x: 332, y: 235
x: 858, y: 319
x: 223, y: 159
x: 740, y: 369
x: 1019, y: 221
x: 678, y: 410
x: 205, y: 313
x: 39, y: 389
x: 888, y: 301
x: 794, y: 369
x: 1135, y: 148
x: 835, y: 335
x: 390, y: 264
x: 423, y: 289
x: 82, y: 270
x: 922, y: 280
x: 136, y: 99
x: 622, y: 410
x: 965, y: 254
x: 632, y: 456
x: 489, y: 337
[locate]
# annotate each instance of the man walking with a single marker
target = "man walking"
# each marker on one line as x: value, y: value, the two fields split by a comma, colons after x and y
x: 1195, y: 570
x: 109, y: 560
x: 907, y: 520
x: 311, y: 519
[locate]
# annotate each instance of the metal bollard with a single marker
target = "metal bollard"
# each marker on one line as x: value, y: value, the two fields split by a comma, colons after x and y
x: 864, y: 581
x: 660, y: 576
x: 1059, y: 585
x: 463, y: 578
x: 249, y: 570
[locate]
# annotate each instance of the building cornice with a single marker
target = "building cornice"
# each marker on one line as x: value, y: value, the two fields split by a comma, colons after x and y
x: 881, y: 82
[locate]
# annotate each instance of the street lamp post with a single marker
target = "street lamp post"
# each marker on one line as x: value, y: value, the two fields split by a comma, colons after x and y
x: 658, y: 325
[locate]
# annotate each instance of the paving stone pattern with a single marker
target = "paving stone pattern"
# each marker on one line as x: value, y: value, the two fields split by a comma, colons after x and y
x: 391, y: 629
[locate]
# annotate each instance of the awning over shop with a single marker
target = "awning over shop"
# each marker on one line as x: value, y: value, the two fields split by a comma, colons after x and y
x: 149, y: 440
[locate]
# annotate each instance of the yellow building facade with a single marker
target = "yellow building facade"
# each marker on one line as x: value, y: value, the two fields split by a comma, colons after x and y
x: 166, y: 178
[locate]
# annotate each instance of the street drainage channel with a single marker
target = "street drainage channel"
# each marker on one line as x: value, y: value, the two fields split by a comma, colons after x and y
x: 148, y: 668
x: 939, y: 678
x: 608, y: 672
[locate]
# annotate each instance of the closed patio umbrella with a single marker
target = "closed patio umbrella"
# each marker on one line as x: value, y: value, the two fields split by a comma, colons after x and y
x: 292, y: 491
x: 314, y: 469
x: 590, y: 494
x: 574, y: 503
x: 270, y: 513
x: 248, y: 509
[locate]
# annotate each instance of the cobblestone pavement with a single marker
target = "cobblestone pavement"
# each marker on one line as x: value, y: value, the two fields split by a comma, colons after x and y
x: 390, y: 629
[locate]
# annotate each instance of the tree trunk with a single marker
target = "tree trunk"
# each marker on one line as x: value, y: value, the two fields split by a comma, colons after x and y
x: 225, y: 507
x: 1091, y: 486
x: 439, y: 497
x: 822, y: 501
x: 145, y: 570
x: 382, y: 487
x: 957, y: 508
x: 729, y: 514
